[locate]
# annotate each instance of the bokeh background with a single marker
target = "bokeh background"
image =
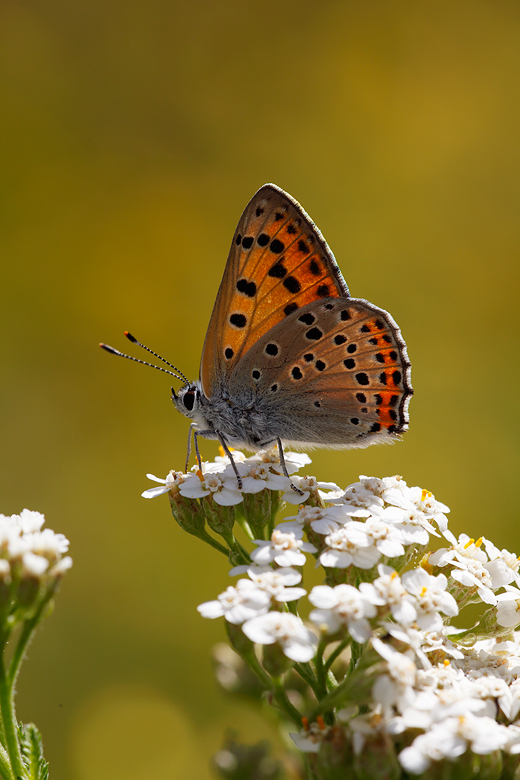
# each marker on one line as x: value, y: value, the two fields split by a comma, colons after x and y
x: 133, y: 134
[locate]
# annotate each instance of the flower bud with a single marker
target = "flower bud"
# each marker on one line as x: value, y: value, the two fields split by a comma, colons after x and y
x: 335, y: 755
x: 467, y: 767
x: 6, y: 586
x: 377, y: 760
x: 485, y: 628
x: 238, y: 640
x: 187, y: 512
x: 219, y: 518
x: 274, y: 661
x: 256, y: 508
x: 28, y: 591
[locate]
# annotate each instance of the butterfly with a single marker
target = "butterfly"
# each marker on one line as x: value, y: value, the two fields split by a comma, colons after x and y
x: 289, y: 357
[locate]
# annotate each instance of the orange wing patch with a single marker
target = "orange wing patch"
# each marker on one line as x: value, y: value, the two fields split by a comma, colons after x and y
x: 278, y: 262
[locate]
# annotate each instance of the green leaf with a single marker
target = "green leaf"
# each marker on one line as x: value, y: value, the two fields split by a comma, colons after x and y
x: 31, y: 748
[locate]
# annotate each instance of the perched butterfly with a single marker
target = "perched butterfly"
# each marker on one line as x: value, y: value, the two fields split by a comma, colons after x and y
x: 289, y: 357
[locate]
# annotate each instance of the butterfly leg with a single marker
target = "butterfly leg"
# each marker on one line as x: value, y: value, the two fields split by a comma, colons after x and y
x: 193, y: 428
x: 196, y: 435
x: 231, y: 459
x: 223, y: 443
x: 284, y: 467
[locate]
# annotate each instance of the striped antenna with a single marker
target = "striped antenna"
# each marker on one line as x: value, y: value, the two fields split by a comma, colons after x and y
x: 176, y: 372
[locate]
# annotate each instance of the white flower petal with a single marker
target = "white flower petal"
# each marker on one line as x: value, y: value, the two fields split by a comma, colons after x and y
x: 155, y: 491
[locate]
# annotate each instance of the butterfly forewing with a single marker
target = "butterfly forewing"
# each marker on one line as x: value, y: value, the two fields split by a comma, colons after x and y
x: 278, y: 263
x: 334, y: 373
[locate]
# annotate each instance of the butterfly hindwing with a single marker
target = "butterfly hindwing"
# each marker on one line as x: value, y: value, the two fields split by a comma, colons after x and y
x: 278, y: 263
x: 334, y: 373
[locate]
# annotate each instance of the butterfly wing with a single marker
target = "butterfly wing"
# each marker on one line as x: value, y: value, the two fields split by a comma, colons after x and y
x: 278, y: 262
x: 334, y: 373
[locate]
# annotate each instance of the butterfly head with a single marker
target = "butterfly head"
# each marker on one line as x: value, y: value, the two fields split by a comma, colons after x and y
x: 187, y: 400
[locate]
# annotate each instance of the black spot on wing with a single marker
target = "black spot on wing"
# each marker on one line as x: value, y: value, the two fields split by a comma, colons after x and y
x: 292, y: 284
x: 276, y: 246
x: 246, y: 288
x: 238, y: 320
x: 278, y: 270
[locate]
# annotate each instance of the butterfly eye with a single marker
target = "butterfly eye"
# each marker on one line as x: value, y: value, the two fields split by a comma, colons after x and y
x: 188, y: 399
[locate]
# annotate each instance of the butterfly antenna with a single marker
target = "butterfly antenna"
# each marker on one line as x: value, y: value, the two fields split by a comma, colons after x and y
x: 176, y: 373
x: 180, y: 375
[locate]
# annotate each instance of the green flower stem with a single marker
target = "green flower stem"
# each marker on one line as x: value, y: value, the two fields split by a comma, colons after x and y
x: 354, y: 686
x: 326, y: 680
x: 276, y: 505
x: 291, y: 606
x: 253, y: 662
x: 283, y: 702
x: 275, y: 686
x: 23, y: 640
x: 5, y: 635
x: 334, y: 698
x: 244, y: 525
x: 7, y: 684
x: 212, y: 542
x: 356, y: 651
x: 337, y: 652
x: 9, y: 721
x: 240, y: 555
x: 309, y: 773
x: 321, y: 670
x: 305, y: 671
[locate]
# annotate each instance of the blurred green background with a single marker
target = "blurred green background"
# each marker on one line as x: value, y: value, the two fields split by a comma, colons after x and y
x: 133, y: 135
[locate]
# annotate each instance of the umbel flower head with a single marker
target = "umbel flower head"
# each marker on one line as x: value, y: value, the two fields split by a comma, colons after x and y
x: 32, y: 563
x: 387, y: 680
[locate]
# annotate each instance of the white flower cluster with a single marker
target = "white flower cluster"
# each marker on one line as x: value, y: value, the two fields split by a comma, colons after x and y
x: 258, y: 472
x: 27, y: 551
x: 433, y: 691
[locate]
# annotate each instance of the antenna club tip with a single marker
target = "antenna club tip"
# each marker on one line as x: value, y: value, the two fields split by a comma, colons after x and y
x: 130, y: 337
x: 109, y: 349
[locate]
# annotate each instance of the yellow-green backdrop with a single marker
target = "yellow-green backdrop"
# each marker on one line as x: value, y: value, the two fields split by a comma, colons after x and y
x: 133, y: 134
